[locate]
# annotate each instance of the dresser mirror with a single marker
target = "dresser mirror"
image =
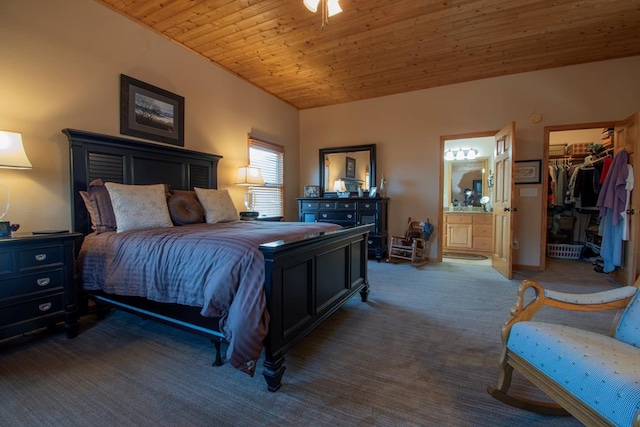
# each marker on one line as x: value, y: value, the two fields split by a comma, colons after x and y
x: 347, y: 170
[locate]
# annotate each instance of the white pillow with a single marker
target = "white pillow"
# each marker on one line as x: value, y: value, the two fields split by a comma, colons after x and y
x: 139, y: 206
x: 218, y: 206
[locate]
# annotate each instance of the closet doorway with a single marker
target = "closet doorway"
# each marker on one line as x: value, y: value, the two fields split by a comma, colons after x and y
x: 575, y: 156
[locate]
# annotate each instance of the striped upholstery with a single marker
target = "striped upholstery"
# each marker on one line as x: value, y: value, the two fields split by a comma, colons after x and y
x: 602, y: 372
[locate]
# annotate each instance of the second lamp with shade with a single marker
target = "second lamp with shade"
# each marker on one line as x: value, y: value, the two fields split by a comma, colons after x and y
x: 249, y: 176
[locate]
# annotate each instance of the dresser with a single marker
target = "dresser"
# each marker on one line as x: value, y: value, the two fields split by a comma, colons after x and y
x: 350, y: 212
x: 37, y: 286
x: 468, y: 232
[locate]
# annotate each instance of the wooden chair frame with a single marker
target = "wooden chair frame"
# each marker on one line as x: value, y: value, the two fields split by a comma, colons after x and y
x: 566, y: 403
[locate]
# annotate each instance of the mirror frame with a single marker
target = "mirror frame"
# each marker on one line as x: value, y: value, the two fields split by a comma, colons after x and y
x: 371, y: 148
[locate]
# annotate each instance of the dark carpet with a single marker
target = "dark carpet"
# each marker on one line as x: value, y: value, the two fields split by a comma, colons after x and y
x: 421, y: 352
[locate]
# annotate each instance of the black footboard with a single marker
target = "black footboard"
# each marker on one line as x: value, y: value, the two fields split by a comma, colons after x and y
x: 306, y: 281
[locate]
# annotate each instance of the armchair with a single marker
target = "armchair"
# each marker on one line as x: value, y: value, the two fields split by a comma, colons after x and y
x: 594, y: 377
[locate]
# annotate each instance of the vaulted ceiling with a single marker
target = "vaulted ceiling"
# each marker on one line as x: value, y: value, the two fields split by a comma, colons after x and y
x: 383, y: 47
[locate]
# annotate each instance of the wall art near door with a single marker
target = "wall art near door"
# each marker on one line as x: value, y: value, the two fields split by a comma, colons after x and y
x: 527, y: 172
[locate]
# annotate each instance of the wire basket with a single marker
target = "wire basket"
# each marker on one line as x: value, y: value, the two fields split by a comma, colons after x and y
x: 558, y: 250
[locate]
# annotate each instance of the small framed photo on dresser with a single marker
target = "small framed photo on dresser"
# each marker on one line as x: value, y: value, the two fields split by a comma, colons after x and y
x: 311, y: 191
x: 373, y: 192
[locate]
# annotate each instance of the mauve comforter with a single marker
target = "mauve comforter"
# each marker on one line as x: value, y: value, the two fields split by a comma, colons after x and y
x: 218, y: 267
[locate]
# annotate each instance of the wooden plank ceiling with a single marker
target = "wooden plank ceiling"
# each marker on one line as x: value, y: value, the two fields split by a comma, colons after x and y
x: 382, y: 47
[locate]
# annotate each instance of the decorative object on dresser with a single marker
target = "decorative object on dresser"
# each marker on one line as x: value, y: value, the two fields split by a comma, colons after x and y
x: 37, y: 283
x: 12, y: 156
x: 292, y: 276
x: 351, y: 212
x: 311, y: 191
x: 146, y: 111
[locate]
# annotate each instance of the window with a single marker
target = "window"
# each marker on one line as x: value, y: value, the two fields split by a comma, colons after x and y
x: 270, y: 159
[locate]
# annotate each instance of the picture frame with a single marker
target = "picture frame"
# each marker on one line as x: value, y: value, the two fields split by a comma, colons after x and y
x: 149, y: 112
x: 373, y: 192
x: 350, y: 168
x: 311, y: 191
x: 527, y: 172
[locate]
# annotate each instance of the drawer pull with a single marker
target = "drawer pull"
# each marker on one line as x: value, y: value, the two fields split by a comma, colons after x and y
x: 369, y: 241
x: 43, y: 281
x: 41, y: 257
x: 347, y: 205
x: 367, y: 205
x: 349, y: 216
x: 326, y: 205
x: 45, y: 307
x: 324, y: 215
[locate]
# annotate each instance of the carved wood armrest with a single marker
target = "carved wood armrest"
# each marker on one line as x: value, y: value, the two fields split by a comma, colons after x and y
x: 595, y: 301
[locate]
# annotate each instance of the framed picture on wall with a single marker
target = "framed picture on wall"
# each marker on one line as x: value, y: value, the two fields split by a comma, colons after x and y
x: 527, y: 172
x: 350, y: 168
x: 149, y: 112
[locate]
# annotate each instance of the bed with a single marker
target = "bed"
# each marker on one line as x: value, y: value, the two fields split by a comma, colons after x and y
x: 304, y: 274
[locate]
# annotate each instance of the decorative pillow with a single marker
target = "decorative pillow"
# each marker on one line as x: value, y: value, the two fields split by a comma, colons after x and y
x: 139, y: 206
x: 90, y: 209
x: 99, y: 207
x: 185, y: 208
x: 218, y: 206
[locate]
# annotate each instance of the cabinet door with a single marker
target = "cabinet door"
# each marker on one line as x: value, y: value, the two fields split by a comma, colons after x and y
x: 369, y: 218
x: 308, y: 217
x: 459, y: 236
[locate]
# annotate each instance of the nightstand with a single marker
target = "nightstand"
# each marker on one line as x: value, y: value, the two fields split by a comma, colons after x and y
x: 37, y: 287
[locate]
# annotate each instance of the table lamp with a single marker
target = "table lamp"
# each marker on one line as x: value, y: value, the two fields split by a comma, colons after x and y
x: 249, y: 176
x: 340, y: 188
x: 12, y: 156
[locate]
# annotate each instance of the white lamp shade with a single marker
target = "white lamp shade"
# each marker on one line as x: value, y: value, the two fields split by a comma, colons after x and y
x: 333, y: 7
x: 12, y: 154
x: 460, y: 155
x: 338, y: 186
x: 312, y: 5
x: 249, y: 175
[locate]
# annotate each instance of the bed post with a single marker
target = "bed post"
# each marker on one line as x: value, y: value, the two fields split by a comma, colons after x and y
x: 273, y: 369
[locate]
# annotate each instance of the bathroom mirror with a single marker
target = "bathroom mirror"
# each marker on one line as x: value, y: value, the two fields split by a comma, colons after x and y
x: 353, y: 166
x: 466, y: 175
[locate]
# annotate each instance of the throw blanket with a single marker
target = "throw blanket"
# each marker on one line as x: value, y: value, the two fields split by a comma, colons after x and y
x: 218, y: 267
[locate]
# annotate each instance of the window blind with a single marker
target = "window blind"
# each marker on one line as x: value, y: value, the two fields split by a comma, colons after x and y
x: 270, y: 159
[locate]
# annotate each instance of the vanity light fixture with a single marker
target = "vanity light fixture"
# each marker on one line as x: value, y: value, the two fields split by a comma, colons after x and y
x: 461, y: 154
x: 328, y: 8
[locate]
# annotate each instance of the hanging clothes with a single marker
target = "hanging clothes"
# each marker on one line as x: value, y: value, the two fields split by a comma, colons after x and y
x: 611, y: 203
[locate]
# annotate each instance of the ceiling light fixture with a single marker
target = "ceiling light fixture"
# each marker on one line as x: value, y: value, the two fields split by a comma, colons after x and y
x: 328, y: 8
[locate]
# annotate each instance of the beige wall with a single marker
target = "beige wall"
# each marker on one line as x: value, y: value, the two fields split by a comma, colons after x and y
x: 61, y: 64
x: 407, y: 130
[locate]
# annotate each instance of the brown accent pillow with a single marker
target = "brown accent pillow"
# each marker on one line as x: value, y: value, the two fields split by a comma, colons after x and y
x: 185, y: 208
x: 99, y: 207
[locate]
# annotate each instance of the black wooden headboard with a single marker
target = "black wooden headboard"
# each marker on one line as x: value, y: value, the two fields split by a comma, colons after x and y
x: 129, y: 161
